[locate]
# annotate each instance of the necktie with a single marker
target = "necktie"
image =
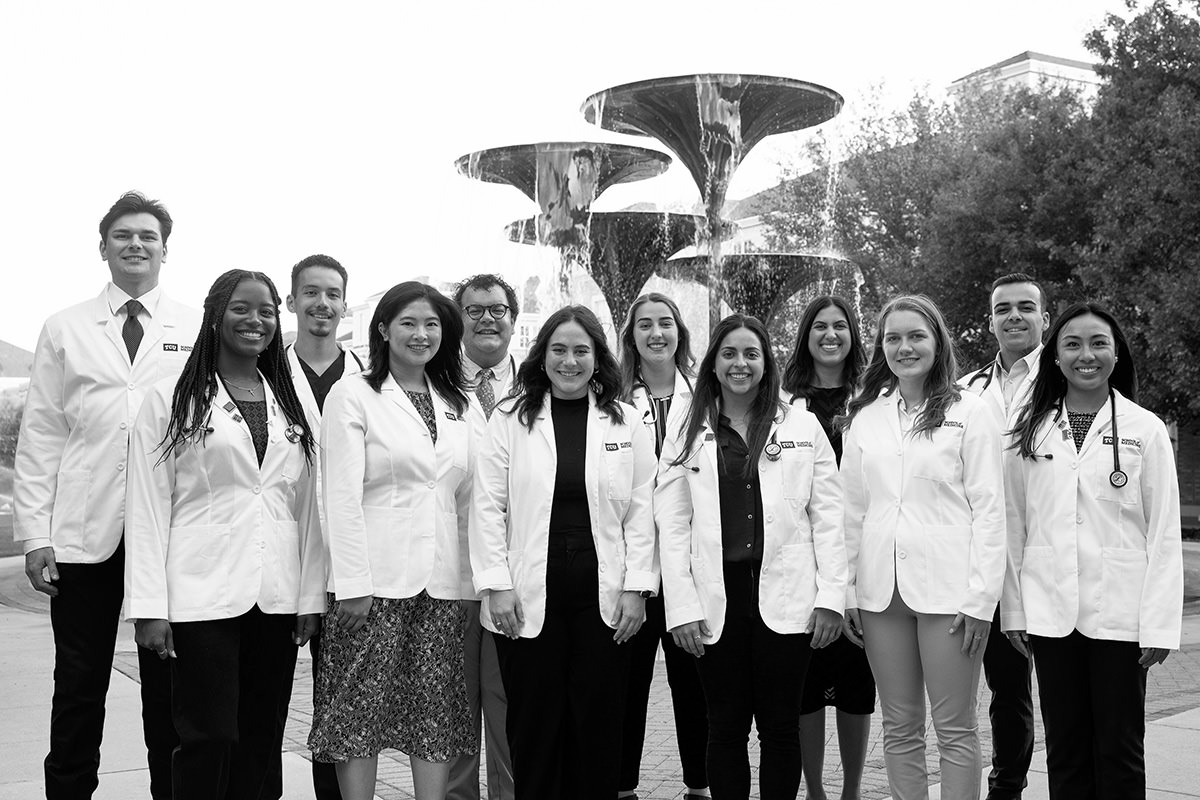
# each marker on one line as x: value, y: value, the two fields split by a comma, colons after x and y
x: 484, y: 391
x: 132, y: 331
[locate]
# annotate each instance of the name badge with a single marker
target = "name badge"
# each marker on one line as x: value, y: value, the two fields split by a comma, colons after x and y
x: 611, y: 447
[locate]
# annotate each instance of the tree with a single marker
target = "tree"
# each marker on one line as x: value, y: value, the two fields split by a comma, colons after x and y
x: 1143, y: 178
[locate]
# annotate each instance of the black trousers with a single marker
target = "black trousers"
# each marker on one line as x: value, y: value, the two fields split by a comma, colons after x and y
x: 84, y: 617
x: 1093, y: 697
x: 324, y: 773
x: 231, y: 679
x: 1008, y: 675
x: 566, y: 687
x: 753, y: 674
x: 687, y: 699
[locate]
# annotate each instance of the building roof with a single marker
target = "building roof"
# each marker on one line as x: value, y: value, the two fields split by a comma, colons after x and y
x: 15, y: 362
x: 1029, y: 55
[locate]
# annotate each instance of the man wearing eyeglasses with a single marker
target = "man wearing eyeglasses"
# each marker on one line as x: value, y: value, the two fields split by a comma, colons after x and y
x: 489, y: 309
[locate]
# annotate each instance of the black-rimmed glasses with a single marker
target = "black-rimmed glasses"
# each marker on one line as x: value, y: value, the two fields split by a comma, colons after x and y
x: 497, y: 311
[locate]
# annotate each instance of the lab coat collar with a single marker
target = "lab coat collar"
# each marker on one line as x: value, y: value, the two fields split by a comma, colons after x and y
x: 223, y: 403
x: 394, y: 392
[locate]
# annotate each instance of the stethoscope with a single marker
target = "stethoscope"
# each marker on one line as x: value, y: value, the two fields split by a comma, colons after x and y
x: 1117, y: 477
x: 987, y: 373
x: 650, y: 416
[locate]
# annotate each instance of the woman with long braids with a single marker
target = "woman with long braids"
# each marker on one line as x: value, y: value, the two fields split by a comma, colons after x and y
x: 221, y: 573
x: 397, y: 449
x: 562, y: 546
x: 821, y: 373
x: 925, y: 540
x: 1094, y: 588
x: 749, y: 513
x: 657, y: 369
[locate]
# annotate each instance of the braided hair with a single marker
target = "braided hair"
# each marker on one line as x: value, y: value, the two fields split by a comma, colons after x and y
x: 197, y: 384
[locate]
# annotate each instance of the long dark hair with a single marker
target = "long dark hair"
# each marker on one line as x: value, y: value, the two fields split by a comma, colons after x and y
x: 197, y: 384
x: 799, y: 375
x: 444, y: 369
x: 940, y: 389
x: 630, y: 360
x: 1050, y: 386
x: 531, y: 382
x: 705, y: 409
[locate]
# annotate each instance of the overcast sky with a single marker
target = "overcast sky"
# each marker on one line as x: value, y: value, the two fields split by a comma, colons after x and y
x: 275, y: 130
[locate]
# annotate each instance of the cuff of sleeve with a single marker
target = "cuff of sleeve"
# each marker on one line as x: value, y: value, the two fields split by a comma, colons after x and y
x: 312, y: 604
x: 979, y: 610
x: 29, y: 545
x: 357, y: 587
x: 831, y: 600
x: 683, y: 615
x: 494, y: 578
x: 1166, y: 639
x: 1012, y: 622
x: 638, y: 581
x: 851, y: 598
x: 145, y: 609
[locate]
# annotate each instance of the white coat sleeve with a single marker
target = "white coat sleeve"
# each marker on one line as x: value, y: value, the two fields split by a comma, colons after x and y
x: 343, y: 468
x: 826, y: 515
x: 40, y: 446
x: 314, y: 565
x: 983, y: 482
x: 673, y: 515
x: 855, y: 501
x: 641, y: 572
x: 148, y: 490
x: 1160, y: 618
x: 1012, y: 611
x: 488, y: 526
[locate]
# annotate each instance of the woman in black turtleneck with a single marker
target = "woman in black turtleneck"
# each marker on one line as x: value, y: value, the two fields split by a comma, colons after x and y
x: 562, y: 549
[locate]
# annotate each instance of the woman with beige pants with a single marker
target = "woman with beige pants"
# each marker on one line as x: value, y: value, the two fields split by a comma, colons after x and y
x: 922, y: 472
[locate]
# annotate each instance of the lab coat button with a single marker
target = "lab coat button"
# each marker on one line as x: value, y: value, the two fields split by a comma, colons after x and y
x: 120, y: 467
x: 258, y: 490
x: 132, y: 387
x: 1079, y: 520
x: 124, y: 426
x: 431, y: 485
x: 902, y: 555
x: 602, y: 568
x: 770, y: 518
x: 1074, y: 465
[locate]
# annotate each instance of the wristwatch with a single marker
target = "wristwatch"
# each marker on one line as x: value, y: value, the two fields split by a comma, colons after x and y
x: 645, y: 594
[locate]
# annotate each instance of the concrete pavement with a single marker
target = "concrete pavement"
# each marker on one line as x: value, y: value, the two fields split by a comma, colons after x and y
x: 26, y: 664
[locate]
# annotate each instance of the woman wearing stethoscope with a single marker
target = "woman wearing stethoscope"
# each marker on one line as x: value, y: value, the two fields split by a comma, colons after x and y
x: 821, y: 374
x: 1095, y: 581
x: 657, y: 371
x: 749, y: 516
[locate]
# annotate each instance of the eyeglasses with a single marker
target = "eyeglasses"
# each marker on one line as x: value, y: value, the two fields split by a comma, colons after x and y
x: 497, y: 311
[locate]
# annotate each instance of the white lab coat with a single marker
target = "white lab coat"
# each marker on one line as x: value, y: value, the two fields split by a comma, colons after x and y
x: 210, y: 533
x: 514, y: 491
x: 84, y: 395
x: 986, y: 383
x: 679, y: 404
x: 804, y: 560
x: 396, y: 504
x: 1086, y: 555
x: 924, y: 514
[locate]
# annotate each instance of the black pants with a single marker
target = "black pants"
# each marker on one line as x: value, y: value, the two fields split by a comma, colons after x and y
x: 565, y: 687
x: 1093, y: 697
x: 230, y: 680
x: 84, y: 617
x: 324, y: 773
x: 687, y: 699
x: 753, y: 674
x: 1011, y: 713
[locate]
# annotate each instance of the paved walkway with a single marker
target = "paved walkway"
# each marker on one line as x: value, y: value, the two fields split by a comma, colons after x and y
x: 26, y: 664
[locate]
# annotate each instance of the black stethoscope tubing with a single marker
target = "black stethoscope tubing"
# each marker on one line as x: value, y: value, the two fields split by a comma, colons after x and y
x: 1117, y: 477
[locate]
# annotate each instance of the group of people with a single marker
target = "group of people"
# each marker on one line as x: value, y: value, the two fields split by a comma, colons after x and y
x: 476, y: 548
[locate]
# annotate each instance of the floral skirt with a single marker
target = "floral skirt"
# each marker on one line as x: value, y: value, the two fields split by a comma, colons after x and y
x: 396, y: 683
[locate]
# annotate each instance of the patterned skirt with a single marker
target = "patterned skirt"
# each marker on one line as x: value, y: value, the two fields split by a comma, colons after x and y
x: 396, y: 683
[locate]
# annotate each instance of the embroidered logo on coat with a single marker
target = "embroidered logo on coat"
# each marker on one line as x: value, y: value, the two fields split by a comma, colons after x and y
x: 611, y: 447
x: 1108, y: 440
x: 951, y: 423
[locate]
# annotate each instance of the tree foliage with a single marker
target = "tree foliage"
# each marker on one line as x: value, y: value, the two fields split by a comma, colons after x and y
x: 1099, y: 202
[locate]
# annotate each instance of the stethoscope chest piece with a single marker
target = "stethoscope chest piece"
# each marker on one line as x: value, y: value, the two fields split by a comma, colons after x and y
x: 1118, y: 478
x: 772, y: 451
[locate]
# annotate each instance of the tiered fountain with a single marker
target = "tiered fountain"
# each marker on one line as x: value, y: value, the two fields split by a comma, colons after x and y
x: 710, y: 122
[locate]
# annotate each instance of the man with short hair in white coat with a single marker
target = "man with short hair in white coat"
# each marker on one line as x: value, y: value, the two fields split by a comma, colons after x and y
x: 317, y: 361
x: 1018, y: 318
x: 489, y: 312
x: 93, y: 365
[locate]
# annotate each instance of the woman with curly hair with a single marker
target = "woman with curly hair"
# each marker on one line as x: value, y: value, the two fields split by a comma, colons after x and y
x: 225, y: 572
x: 562, y: 547
x: 924, y: 489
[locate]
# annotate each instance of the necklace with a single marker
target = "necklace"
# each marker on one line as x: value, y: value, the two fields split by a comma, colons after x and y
x: 246, y: 389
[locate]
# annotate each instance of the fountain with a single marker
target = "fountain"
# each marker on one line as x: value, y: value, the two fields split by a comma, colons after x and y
x: 624, y: 249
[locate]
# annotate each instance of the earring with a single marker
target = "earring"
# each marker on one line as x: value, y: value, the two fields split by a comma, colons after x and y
x: 1057, y: 362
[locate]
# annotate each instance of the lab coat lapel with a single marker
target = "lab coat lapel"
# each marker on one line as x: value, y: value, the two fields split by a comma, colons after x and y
x: 597, y: 430
x: 392, y: 390
x: 1101, y: 426
x: 223, y: 404
x: 303, y: 390
x: 544, y: 425
x: 111, y: 326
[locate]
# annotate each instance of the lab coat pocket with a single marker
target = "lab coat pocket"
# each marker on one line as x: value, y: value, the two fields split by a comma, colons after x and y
x: 701, y: 572
x: 70, y: 500
x: 1131, y: 465
x: 620, y: 473
x: 287, y: 544
x: 198, y: 568
x: 798, y: 589
x: 1123, y: 572
x: 1039, y: 588
x: 797, y: 475
x: 947, y: 563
